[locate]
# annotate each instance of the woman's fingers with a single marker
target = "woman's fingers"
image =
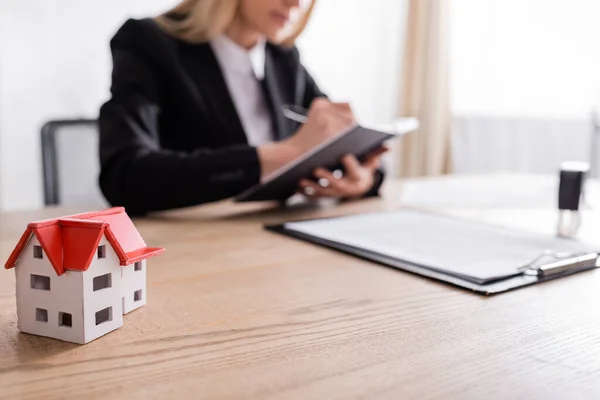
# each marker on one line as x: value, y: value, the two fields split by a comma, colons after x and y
x: 352, y: 166
x: 313, y: 189
x: 377, y: 152
x: 327, y: 119
x: 373, y: 160
x: 342, y: 106
x: 328, y: 179
x: 342, y: 112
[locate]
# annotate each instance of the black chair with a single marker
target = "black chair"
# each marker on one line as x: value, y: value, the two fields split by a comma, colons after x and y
x: 70, y: 162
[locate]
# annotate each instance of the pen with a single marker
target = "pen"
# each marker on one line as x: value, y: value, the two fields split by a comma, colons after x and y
x: 585, y: 261
x: 563, y: 263
x: 295, y: 113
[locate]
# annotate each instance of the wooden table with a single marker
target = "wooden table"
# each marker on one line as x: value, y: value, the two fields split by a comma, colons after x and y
x: 237, y: 312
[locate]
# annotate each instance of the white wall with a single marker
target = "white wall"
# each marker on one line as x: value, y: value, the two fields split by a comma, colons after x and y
x: 525, y: 77
x: 534, y: 58
x: 353, y: 48
x: 55, y: 63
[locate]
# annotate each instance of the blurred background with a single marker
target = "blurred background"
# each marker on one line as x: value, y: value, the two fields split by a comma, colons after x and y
x: 499, y: 85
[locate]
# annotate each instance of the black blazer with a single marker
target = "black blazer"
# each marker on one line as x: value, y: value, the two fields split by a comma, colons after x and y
x: 170, y: 135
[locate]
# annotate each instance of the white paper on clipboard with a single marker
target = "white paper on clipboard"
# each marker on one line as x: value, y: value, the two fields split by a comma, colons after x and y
x: 454, y: 246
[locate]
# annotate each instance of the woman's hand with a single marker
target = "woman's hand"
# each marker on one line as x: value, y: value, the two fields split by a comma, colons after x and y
x: 325, y: 121
x: 357, y: 180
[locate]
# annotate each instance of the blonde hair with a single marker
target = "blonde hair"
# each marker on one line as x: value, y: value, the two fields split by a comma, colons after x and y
x: 198, y: 21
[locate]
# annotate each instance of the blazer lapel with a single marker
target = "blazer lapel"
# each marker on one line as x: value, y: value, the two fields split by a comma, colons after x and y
x: 278, y: 92
x: 205, y: 72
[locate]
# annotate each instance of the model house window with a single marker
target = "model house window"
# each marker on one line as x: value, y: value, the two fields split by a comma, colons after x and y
x: 40, y: 282
x: 137, y: 295
x: 41, y: 315
x: 102, y: 251
x: 65, y: 319
x: 102, y: 282
x: 37, y: 252
x: 104, y: 316
x: 138, y: 266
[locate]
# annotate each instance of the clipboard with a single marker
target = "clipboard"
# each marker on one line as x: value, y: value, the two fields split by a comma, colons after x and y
x: 358, y: 140
x: 567, y: 258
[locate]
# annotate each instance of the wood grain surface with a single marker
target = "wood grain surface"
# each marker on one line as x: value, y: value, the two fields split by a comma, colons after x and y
x: 237, y: 312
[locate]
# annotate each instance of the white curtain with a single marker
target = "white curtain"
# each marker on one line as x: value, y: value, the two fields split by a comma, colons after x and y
x: 424, y: 91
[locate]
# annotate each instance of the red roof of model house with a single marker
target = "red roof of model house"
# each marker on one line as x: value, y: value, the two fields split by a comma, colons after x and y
x: 71, y: 242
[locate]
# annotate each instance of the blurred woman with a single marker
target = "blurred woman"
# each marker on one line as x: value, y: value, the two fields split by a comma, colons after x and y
x: 196, y: 109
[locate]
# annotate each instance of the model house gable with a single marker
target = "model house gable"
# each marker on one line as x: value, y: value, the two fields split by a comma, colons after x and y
x: 38, y: 265
x: 48, y: 304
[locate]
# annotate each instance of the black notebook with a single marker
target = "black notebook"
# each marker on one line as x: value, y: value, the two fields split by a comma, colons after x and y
x: 483, y: 258
x: 359, y: 141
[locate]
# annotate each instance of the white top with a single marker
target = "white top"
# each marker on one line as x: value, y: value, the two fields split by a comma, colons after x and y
x: 243, y: 69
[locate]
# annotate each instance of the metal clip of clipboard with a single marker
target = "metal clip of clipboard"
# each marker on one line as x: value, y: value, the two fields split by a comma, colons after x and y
x: 562, y: 265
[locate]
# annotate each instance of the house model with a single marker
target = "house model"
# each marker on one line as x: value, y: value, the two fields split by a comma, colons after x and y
x: 76, y: 276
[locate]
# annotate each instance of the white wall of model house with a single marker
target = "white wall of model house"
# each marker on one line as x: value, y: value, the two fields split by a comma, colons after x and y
x: 76, y: 306
x: 102, y: 306
x: 133, y: 286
